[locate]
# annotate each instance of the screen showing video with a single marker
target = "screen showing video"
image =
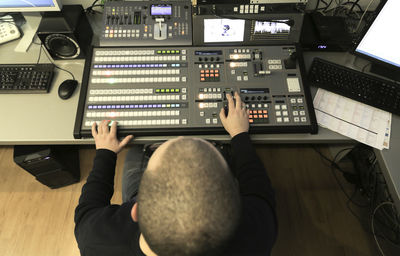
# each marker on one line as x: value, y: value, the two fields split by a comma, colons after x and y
x: 268, y: 27
x: 26, y: 3
x: 223, y: 30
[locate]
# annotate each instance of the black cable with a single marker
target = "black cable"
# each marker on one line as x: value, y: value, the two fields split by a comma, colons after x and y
x: 69, y: 72
x: 354, y: 4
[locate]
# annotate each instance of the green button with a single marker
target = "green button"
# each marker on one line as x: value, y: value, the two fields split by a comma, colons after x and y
x: 166, y: 90
x: 172, y: 90
x: 157, y: 90
x: 158, y: 51
x: 168, y: 51
x: 162, y: 90
x: 172, y: 52
x: 163, y: 51
x: 177, y: 90
x: 178, y: 51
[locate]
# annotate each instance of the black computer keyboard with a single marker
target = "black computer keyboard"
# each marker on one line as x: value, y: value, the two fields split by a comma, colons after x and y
x: 356, y: 85
x: 26, y: 78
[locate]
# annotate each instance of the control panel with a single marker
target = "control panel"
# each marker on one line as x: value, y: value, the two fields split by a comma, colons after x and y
x: 147, y: 23
x: 181, y: 90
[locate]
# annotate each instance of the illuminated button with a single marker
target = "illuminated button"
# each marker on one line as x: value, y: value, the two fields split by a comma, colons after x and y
x: 279, y: 119
x: 277, y: 107
x: 251, y: 121
x: 278, y: 113
x: 284, y: 107
x: 284, y: 113
x: 265, y: 111
x: 208, y: 121
x: 265, y: 116
x: 286, y: 119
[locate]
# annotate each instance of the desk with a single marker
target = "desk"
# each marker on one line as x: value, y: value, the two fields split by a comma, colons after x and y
x: 46, y: 119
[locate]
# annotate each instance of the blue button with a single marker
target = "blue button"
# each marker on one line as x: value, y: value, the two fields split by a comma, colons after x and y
x: 140, y: 106
x: 134, y: 65
x: 90, y: 107
x: 108, y: 106
x: 104, y: 106
x: 159, y: 106
x: 130, y: 65
x: 112, y: 106
x: 172, y: 105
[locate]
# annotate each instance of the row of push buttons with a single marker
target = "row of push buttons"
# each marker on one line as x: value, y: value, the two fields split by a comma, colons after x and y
x: 120, y: 91
x: 138, y: 106
x: 139, y: 58
x: 143, y: 122
x: 136, y: 98
x: 138, y: 80
x: 132, y: 113
x: 136, y: 72
x: 171, y: 90
x: 138, y: 65
x: 124, y: 53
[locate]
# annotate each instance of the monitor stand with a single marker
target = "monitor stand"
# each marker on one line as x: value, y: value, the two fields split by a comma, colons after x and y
x: 29, y: 29
x: 385, y: 72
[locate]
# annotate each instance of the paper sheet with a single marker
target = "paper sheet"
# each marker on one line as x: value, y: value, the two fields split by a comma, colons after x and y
x: 353, y: 119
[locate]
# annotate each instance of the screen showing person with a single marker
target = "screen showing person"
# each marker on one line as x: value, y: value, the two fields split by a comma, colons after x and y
x: 223, y: 30
x: 268, y: 27
x: 26, y: 3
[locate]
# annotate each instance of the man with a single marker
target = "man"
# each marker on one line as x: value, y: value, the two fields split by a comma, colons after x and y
x: 188, y: 203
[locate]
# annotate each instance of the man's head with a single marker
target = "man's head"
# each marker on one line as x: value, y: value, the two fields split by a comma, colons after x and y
x: 188, y: 201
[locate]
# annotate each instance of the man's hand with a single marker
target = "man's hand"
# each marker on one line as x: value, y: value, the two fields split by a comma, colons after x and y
x: 106, y: 138
x: 237, y: 120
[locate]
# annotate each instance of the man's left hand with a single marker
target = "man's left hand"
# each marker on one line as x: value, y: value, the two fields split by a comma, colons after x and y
x: 106, y: 138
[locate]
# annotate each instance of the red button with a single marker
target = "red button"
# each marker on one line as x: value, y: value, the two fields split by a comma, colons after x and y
x: 202, y: 79
x: 207, y: 71
x: 265, y: 116
x: 207, y: 75
x: 216, y: 75
x: 212, y: 71
x: 202, y: 71
x: 211, y: 75
x: 217, y: 71
x: 255, y: 116
x: 201, y: 75
x: 265, y: 111
x: 250, y: 116
x: 259, y: 111
x: 251, y: 121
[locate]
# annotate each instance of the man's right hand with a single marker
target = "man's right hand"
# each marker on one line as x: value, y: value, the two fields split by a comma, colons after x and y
x: 237, y: 120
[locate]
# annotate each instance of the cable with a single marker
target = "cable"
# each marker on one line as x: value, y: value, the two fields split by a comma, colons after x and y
x: 362, y: 16
x: 372, y: 224
x: 69, y: 72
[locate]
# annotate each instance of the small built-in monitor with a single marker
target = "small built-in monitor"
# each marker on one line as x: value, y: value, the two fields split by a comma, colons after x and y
x: 271, y: 27
x: 29, y: 5
x: 381, y: 41
x: 223, y: 30
x: 161, y: 10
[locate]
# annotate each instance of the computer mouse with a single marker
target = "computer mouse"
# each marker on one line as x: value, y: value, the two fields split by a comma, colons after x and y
x: 67, y: 88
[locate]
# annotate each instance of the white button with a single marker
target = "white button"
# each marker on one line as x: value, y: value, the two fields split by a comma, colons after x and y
x: 278, y: 113
x: 215, y: 121
x: 302, y: 113
x: 299, y: 100
x: 208, y: 121
x: 293, y: 100
x: 286, y: 119
x: 277, y: 107
x: 279, y: 119
x: 303, y: 119
x: 201, y: 113
x: 284, y: 107
x: 295, y: 113
x: 297, y: 119
x: 284, y: 113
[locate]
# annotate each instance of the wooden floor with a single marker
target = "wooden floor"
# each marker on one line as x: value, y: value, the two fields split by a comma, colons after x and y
x: 313, y: 218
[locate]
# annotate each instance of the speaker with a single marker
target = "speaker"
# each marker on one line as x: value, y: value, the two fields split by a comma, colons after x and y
x: 53, y: 166
x: 66, y: 34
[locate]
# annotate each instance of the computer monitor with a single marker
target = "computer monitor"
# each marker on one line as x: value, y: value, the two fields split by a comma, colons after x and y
x: 29, y: 5
x: 31, y: 11
x: 381, y: 41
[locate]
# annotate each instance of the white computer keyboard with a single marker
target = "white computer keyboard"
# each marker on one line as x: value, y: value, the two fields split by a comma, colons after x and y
x: 8, y: 32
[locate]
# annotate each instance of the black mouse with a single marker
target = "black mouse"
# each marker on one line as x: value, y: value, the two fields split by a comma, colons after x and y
x: 67, y: 88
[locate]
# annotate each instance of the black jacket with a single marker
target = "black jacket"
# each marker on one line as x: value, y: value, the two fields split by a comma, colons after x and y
x: 105, y: 229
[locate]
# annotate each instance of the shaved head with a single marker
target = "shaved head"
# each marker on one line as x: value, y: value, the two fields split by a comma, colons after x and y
x: 188, y: 200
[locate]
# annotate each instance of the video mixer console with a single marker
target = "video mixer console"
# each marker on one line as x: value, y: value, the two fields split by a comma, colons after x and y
x: 147, y: 23
x: 181, y: 90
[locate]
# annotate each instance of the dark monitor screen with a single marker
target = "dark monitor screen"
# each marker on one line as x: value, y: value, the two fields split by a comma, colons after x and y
x: 381, y: 41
